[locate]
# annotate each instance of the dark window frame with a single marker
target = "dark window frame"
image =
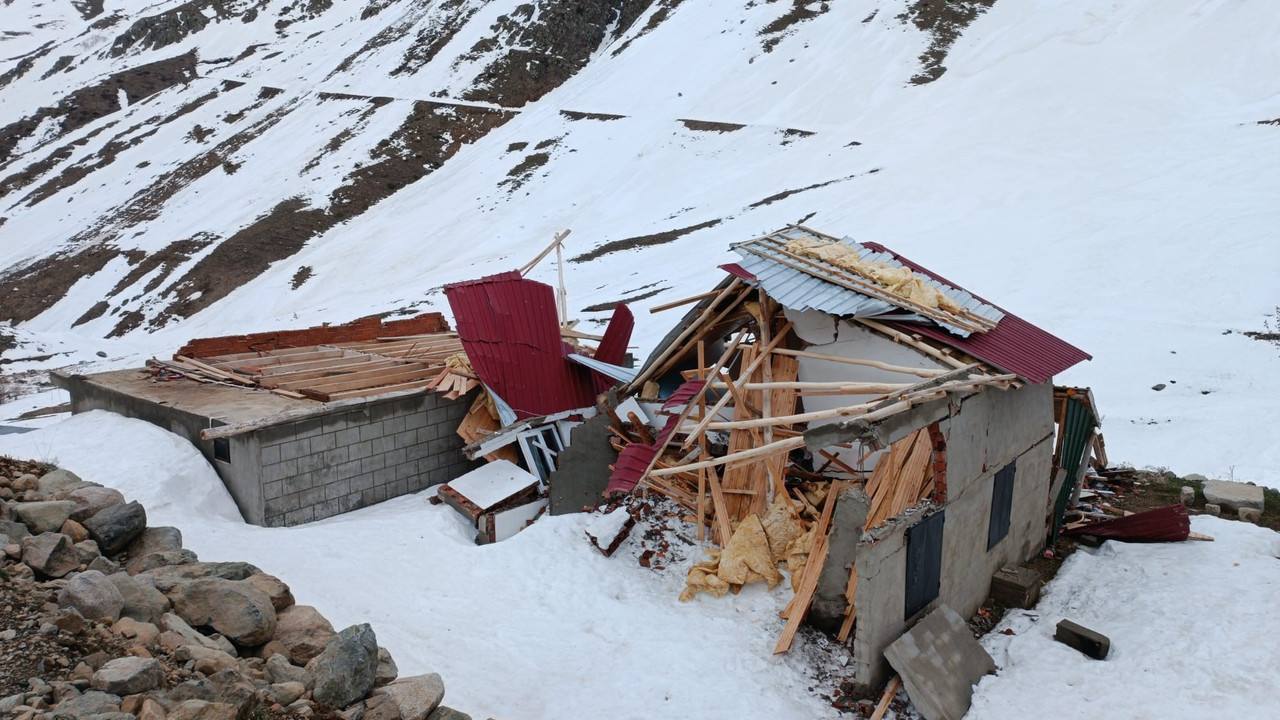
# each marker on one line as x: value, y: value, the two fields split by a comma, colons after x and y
x: 222, y: 450
x: 1001, y: 504
x: 924, y: 564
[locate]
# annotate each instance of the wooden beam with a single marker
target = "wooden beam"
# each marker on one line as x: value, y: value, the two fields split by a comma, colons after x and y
x: 918, y: 372
x: 906, y: 339
x: 723, y: 527
x: 365, y: 392
x: 559, y: 238
x: 677, y: 342
x: 356, y: 381
x: 684, y: 301
x: 777, y: 446
x: 336, y: 373
x: 743, y: 376
x: 889, y: 693
x: 216, y: 372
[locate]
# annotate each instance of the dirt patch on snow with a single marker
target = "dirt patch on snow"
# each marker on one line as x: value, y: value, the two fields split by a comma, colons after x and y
x: 707, y: 126
x: 801, y: 11
x: 943, y: 21
x: 656, y: 18
x: 173, y: 25
x: 641, y: 241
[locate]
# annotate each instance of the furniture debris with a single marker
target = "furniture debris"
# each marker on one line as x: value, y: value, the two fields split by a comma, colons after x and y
x: 498, y: 498
x: 1090, y: 642
x: 940, y: 662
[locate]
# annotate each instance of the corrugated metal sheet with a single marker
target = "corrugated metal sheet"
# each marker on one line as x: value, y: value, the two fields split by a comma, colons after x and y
x: 1014, y: 345
x: 612, y: 350
x: 616, y: 372
x: 684, y: 394
x: 811, y: 289
x: 635, y: 458
x: 511, y: 332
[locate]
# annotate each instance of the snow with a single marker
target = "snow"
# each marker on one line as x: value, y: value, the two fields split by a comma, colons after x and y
x: 538, y: 626
x: 1189, y: 625
x: 493, y: 482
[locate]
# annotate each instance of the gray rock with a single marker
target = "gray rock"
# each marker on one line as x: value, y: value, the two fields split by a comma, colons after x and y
x: 387, y: 670
x: 280, y: 670
x: 103, y: 565
x: 416, y: 696
x: 170, y: 576
x: 174, y: 624
x: 11, y: 702
x: 1213, y: 509
x: 14, y: 530
x: 115, y: 527
x: 93, y: 702
x: 234, y: 608
x: 60, y: 481
x: 381, y: 707
x: 152, y: 540
x: 1250, y: 515
x: 87, y: 551
x: 1188, y: 496
x: 43, y: 517
x: 447, y: 713
x: 128, y: 676
x: 113, y: 716
x: 51, y: 554
x: 346, y: 670
x: 225, y: 687
x: 156, y: 560
x: 1196, y: 477
x: 206, y: 661
x: 95, y: 596
x: 202, y: 710
x: 89, y: 501
x: 287, y: 692
x: 141, y: 602
x: 304, y: 632
x: 274, y: 587
x: 1233, y: 495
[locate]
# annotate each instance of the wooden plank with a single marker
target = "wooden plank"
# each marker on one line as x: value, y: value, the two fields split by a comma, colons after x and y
x: 216, y: 372
x: 723, y: 528
x: 804, y: 596
x: 357, y: 381
x: 905, y: 339
x: 850, y: 612
x: 887, y: 698
x: 254, y: 364
x: 682, y: 301
x: 348, y: 359
x: 366, y: 392
x: 728, y: 290
x: 743, y: 375
x: 333, y: 372
x: 558, y: 238
x: 902, y: 369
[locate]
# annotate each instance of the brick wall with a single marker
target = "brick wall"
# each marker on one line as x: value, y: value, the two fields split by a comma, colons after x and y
x: 367, y: 328
x: 320, y: 467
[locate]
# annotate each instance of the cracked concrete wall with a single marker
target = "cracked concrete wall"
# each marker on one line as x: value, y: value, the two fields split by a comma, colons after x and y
x: 991, y: 429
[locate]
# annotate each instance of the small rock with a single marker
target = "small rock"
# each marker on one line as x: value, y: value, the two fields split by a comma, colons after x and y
x: 202, y: 710
x: 1188, y: 496
x: 15, y: 531
x: 60, y: 481
x: 49, y: 553
x: 128, y: 676
x: 74, y: 530
x: 69, y: 621
x: 387, y: 670
x: 275, y: 647
x: 156, y: 560
x: 345, y: 671
x: 87, y: 551
x: 14, y: 551
x: 304, y: 631
x: 93, y: 702
x: 1158, y: 387
x: 152, y: 540
x: 26, y: 482
x: 9, y: 703
x: 274, y: 587
x: 287, y: 692
x: 101, y: 564
x: 115, y: 527
x: 1250, y: 515
x: 151, y: 710
x: 234, y: 608
x: 381, y: 707
x: 176, y: 626
x: 206, y: 661
x: 46, y: 516
x: 1213, y: 509
x: 90, y: 501
x: 416, y: 696
x: 300, y: 707
x: 131, y: 704
x: 94, y: 595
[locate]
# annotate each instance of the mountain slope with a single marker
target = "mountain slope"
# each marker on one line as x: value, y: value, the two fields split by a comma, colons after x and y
x: 176, y: 169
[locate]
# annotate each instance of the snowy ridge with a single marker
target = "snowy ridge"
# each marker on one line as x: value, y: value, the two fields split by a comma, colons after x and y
x: 1100, y: 170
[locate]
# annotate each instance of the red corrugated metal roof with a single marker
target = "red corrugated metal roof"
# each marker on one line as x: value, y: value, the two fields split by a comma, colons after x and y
x: 613, y: 348
x: 634, y: 460
x: 738, y: 271
x: 1014, y: 345
x: 683, y: 394
x: 510, y: 330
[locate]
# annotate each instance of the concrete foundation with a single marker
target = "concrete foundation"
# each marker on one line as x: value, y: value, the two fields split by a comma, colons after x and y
x: 319, y: 462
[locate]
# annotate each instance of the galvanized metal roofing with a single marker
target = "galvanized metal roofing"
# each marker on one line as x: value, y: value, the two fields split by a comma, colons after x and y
x: 818, y: 286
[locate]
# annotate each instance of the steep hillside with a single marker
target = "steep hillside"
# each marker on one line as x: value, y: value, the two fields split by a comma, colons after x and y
x: 171, y: 169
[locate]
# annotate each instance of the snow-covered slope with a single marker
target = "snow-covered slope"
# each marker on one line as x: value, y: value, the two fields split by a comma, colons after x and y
x: 175, y: 169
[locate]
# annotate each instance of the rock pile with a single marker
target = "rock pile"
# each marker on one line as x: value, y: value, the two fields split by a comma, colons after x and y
x: 105, y: 618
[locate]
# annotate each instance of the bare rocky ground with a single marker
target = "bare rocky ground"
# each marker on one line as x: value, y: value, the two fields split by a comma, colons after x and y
x: 105, y: 618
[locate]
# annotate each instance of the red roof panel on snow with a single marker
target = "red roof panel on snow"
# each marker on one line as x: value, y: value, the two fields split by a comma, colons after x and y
x: 1014, y: 345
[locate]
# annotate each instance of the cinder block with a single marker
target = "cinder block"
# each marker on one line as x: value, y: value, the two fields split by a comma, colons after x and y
x: 1090, y: 642
x: 348, y: 436
x: 397, y: 456
x: 371, y: 430
x: 415, y: 420
x: 359, y: 450
x: 307, y: 428
x: 273, y: 489
x: 336, y: 456
x: 1016, y: 587
x: 294, y: 449
x: 323, y: 442
x: 383, y: 477
x: 337, y: 489
x: 361, y: 482
x: 373, y: 463
x: 393, y: 425
x: 269, y: 455
x: 299, y: 516
x: 406, y: 439
x: 383, y: 444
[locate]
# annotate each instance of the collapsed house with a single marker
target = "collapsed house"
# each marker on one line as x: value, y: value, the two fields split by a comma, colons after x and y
x: 886, y: 434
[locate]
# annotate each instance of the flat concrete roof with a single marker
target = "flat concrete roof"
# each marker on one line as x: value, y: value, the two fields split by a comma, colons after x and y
x: 231, y: 405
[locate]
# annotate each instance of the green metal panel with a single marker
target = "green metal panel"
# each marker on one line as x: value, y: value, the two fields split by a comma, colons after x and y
x: 1076, y: 430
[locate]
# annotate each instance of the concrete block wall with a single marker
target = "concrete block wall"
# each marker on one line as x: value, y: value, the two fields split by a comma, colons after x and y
x: 324, y: 466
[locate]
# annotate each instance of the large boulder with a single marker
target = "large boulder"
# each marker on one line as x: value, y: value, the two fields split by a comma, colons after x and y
x: 60, y: 481
x: 152, y: 540
x: 304, y: 632
x: 128, y: 676
x: 171, y: 576
x: 238, y: 610
x: 95, y: 596
x: 43, y: 517
x: 226, y: 687
x: 90, y: 501
x: 416, y: 696
x: 14, y: 530
x: 1233, y: 495
x: 51, y: 554
x: 115, y: 527
x: 141, y: 601
x: 274, y: 587
x: 346, y: 670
